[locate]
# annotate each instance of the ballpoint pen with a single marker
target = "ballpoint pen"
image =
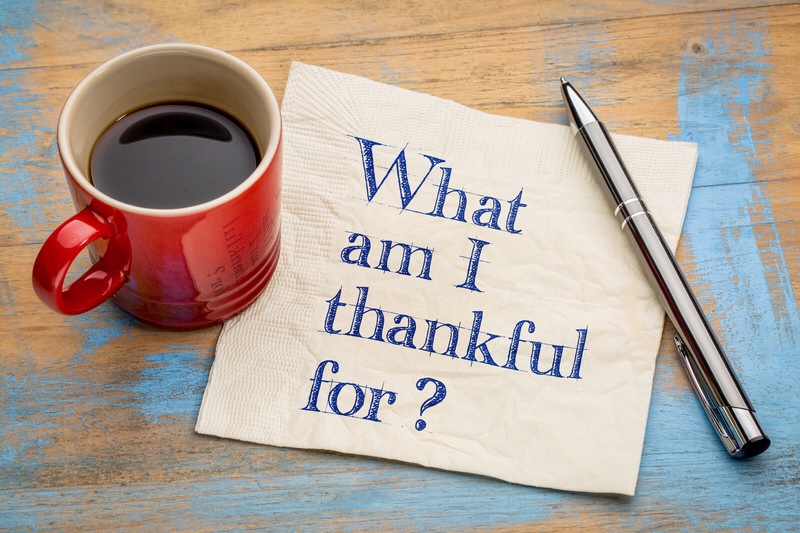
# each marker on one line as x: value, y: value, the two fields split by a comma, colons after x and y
x: 710, y: 374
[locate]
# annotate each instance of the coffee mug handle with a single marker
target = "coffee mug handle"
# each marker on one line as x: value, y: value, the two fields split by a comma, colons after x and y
x: 59, y: 251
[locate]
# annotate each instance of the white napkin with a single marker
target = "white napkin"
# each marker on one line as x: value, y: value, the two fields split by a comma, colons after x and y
x: 517, y: 336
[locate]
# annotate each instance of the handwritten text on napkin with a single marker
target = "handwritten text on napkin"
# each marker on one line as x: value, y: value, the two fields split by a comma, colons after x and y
x: 453, y: 291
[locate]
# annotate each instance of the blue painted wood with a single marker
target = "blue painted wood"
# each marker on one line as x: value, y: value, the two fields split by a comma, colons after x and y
x: 97, y: 411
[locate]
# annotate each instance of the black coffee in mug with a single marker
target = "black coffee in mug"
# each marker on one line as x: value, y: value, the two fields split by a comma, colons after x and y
x: 172, y: 155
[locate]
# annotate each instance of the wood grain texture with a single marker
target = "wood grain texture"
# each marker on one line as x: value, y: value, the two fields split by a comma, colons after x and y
x: 97, y: 411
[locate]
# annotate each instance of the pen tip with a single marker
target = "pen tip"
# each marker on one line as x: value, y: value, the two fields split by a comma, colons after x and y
x: 563, y: 81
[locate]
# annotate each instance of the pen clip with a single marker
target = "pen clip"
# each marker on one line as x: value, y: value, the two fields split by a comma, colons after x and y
x: 706, y: 397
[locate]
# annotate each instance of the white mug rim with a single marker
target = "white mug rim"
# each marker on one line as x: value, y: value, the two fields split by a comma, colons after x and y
x: 248, y: 72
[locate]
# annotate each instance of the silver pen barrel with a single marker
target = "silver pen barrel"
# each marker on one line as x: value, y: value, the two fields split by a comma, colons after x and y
x: 712, y: 377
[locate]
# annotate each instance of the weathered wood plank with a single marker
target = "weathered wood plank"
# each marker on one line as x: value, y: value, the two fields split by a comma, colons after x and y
x: 97, y: 411
x: 507, y: 71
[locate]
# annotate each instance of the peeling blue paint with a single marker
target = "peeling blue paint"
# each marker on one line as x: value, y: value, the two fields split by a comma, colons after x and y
x: 99, y: 327
x: 35, y: 398
x: 758, y: 317
x: 735, y: 252
x: 32, y: 407
x: 587, y: 59
x: 28, y: 154
x: 721, y: 221
x: 22, y: 137
x: 172, y: 384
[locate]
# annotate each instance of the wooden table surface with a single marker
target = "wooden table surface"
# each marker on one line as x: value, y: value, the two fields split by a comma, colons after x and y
x: 97, y: 411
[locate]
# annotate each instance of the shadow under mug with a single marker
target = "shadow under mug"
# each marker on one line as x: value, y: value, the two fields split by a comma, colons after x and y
x: 183, y: 268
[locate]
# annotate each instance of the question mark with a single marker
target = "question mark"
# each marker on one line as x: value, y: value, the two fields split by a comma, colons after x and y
x: 437, y: 398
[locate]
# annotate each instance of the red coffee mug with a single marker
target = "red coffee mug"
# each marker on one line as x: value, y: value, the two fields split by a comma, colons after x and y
x: 183, y: 268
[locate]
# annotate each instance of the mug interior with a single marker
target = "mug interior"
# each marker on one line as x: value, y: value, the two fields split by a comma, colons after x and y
x: 161, y: 74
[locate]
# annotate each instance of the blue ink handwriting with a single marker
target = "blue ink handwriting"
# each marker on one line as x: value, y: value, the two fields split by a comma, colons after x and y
x: 489, y: 215
x: 438, y: 397
x: 355, y: 392
x: 447, y: 339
